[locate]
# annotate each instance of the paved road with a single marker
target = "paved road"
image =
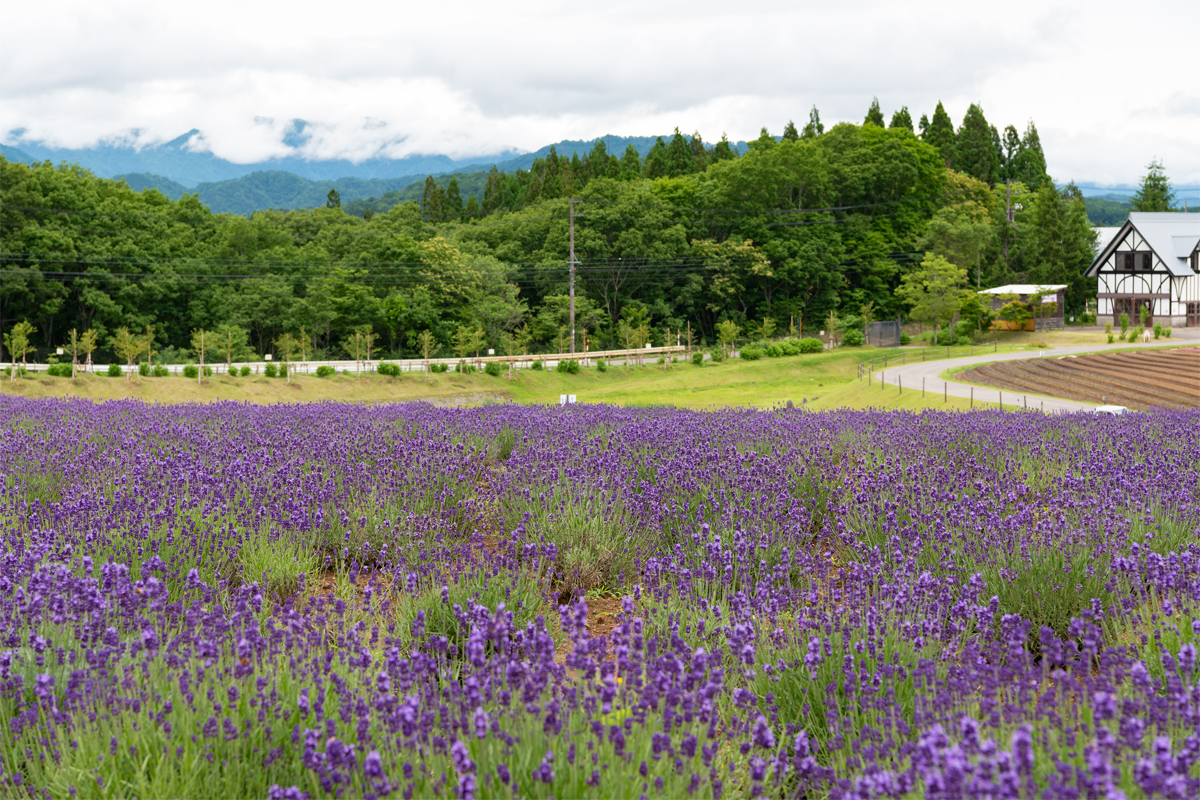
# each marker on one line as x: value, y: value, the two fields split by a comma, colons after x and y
x: 910, y: 376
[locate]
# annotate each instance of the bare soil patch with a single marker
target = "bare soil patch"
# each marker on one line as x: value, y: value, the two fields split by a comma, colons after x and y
x: 1139, y: 380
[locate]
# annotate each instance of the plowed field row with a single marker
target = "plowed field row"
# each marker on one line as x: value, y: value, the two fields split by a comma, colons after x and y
x: 1140, y: 380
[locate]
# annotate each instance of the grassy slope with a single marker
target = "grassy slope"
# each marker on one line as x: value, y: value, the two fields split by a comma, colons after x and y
x: 825, y: 381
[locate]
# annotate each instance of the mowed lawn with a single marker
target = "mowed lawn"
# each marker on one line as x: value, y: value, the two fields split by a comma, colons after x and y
x: 820, y: 381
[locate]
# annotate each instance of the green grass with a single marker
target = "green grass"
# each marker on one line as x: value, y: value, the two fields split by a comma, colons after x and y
x: 819, y: 381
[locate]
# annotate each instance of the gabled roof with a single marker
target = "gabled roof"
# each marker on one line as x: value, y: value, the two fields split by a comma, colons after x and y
x: 1172, y: 235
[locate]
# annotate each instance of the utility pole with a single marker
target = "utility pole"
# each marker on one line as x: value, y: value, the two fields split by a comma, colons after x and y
x: 1011, y: 217
x: 572, y: 273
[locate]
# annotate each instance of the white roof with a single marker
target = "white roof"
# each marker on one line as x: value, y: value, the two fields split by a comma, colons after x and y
x: 1171, y: 234
x: 1027, y: 288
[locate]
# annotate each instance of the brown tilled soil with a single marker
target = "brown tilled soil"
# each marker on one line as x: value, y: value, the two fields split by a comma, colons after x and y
x: 1139, y: 380
x: 602, y: 618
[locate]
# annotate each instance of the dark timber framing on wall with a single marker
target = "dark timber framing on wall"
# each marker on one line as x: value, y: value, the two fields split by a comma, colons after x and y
x: 1151, y: 262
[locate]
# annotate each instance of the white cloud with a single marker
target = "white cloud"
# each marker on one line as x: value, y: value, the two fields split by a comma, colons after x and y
x: 470, y: 78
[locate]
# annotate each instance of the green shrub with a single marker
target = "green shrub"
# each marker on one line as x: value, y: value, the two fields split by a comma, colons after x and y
x: 568, y: 365
x: 59, y: 370
x: 811, y: 345
x: 1167, y: 332
x: 208, y: 372
x: 191, y: 371
x: 698, y: 359
x: 905, y: 339
x: 439, y: 367
x: 245, y: 370
x: 464, y: 368
x: 323, y: 371
x: 751, y: 353
x: 854, y: 338
x: 270, y: 370
x: 1110, y: 338
x: 718, y: 355
x: 391, y: 370
x: 1048, y: 586
x: 537, y: 365
x: 144, y: 369
x: 160, y: 371
x: 493, y: 368
x: 601, y: 366
x: 114, y: 370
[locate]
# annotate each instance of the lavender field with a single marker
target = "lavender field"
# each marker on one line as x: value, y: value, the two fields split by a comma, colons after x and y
x: 590, y: 602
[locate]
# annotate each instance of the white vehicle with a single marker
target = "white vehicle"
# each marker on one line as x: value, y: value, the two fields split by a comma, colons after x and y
x: 1115, y: 411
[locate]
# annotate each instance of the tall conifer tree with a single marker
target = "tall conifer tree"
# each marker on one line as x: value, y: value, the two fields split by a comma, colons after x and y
x: 679, y: 157
x: 631, y: 163
x: 975, y: 152
x: 1154, y: 193
x: 723, y: 150
x: 1012, y: 148
x: 940, y: 134
x: 454, y: 201
x: 874, y: 115
x: 814, y: 128
x: 1030, y: 163
x: 790, y: 134
x: 902, y: 119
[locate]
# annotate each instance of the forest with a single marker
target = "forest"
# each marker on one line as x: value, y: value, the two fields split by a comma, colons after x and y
x: 813, y: 222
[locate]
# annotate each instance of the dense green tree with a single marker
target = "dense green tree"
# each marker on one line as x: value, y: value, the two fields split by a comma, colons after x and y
x: 679, y: 158
x: 454, y: 202
x: 1029, y: 166
x: 975, y: 150
x: 934, y: 292
x: 1011, y: 145
x: 790, y: 134
x: 701, y: 153
x: 923, y: 126
x: 902, y: 119
x: 874, y: 115
x: 960, y: 230
x: 333, y: 199
x: 655, y: 165
x: 433, y: 202
x: 723, y: 151
x: 940, y: 134
x: 631, y: 163
x: 1061, y: 242
x: 1154, y: 192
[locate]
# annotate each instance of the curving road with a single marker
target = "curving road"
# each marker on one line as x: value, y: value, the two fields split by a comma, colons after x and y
x: 910, y: 376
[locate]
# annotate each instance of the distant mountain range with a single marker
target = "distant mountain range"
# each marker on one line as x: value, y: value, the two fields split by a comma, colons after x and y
x: 295, y: 182
x: 178, y: 162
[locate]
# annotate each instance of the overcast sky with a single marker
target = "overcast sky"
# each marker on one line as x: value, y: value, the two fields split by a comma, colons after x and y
x: 1109, y: 85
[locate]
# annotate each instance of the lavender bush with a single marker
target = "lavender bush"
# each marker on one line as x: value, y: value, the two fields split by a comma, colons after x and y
x: 332, y: 600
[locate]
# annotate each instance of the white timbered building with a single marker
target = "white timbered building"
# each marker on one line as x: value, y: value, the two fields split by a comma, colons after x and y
x: 1151, y: 262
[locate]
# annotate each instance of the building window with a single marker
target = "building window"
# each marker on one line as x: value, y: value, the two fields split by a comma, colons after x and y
x: 1127, y: 262
x: 1147, y: 261
x: 1196, y: 260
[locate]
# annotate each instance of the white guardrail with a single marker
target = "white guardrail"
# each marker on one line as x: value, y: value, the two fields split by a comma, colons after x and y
x: 549, y: 360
